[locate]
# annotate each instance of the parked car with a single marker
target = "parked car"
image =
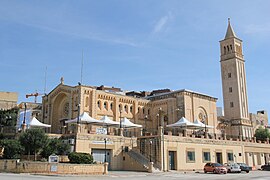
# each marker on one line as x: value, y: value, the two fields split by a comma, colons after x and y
x: 215, y: 168
x: 266, y: 167
x: 244, y: 167
x: 232, y: 167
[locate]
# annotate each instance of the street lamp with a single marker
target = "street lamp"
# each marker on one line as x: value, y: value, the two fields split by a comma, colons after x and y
x: 204, y: 121
x: 24, y: 113
x: 150, y: 150
x: 120, y: 118
x: 144, y: 129
x: 78, y: 118
x: 120, y: 125
x: 105, y: 156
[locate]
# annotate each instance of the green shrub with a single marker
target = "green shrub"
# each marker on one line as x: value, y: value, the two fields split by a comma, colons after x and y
x: 55, y: 146
x: 80, y: 158
x: 12, y: 148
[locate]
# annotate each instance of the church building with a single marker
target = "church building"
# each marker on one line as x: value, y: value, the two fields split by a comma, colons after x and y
x: 222, y: 139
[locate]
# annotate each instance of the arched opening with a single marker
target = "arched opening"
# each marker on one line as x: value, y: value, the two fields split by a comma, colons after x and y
x: 61, y: 110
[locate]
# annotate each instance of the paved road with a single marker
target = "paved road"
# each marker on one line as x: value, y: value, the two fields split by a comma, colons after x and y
x: 258, y: 175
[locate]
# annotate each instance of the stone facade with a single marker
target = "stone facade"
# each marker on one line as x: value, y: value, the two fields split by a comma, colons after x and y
x: 230, y: 139
x: 8, y: 100
x: 61, y: 104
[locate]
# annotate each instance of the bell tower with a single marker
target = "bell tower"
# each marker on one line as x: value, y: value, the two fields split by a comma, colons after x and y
x: 234, y: 86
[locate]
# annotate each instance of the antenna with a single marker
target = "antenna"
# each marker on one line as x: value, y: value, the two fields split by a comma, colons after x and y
x: 45, y: 82
x: 82, y: 68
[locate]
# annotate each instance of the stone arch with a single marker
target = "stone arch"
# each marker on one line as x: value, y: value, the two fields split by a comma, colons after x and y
x: 60, y: 110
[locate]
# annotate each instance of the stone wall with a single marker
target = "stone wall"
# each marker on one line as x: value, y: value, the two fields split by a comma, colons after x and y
x: 50, y: 168
x: 8, y: 100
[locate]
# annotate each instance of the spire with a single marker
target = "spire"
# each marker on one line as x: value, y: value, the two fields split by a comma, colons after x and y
x: 230, y: 33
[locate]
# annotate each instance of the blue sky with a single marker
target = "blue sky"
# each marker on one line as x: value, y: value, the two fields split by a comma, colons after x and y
x: 135, y: 45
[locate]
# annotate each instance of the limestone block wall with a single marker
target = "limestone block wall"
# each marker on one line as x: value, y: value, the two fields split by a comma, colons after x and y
x: 50, y: 168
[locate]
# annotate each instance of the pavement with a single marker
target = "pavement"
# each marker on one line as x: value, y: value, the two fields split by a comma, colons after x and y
x: 131, y: 175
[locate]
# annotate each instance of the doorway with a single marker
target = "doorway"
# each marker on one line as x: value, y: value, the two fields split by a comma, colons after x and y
x: 172, y: 158
x: 219, y: 157
x: 99, y: 155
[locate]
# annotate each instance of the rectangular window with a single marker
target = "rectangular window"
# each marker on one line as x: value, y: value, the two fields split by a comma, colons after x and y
x: 190, y: 156
x: 230, y: 89
x: 206, y: 157
x: 231, y: 104
x: 230, y: 156
x: 229, y: 75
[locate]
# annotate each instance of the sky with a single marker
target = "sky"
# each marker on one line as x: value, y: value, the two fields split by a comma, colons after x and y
x: 135, y: 45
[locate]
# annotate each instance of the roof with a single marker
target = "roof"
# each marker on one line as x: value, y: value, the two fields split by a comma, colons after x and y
x: 230, y: 32
x: 182, y: 90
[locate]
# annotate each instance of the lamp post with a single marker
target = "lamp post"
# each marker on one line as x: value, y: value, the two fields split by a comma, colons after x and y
x: 105, y: 156
x: 120, y: 125
x: 120, y: 118
x: 204, y: 120
x: 150, y: 150
x: 144, y: 129
x: 78, y: 117
x: 24, y: 119
x: 24, y: 115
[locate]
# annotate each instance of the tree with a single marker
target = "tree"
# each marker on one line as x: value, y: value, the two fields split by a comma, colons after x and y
x: 33, y: 140
x: 9, y: 117
x: 80, y: 158
x: 12, y: 148
x: 55, y: 146
x: 262, y: 134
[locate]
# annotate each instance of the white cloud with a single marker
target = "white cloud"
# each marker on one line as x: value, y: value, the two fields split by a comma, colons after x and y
x: 77, y: 30
x: 162, y: 22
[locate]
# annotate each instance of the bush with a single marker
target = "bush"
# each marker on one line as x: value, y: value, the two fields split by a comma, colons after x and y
x: 55, y: 146
x: 33, y: 140
x: 262, y: 134
x: 80, y: 158
x: 12, y: 148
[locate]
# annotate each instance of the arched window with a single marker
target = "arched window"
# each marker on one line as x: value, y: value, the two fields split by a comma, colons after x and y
x: 148, y: 112
x: 138, y: 110
x: 126, y: 108
x: 224, y: 50
x: 231, y: 47
x: 105, y: 105
x: 111, y: 106
x: 130, y: 109
x: 86, y: 102
x: 120, y: 107
x: 143, y: 110
x: 98, y: 104
x: 228, y: 48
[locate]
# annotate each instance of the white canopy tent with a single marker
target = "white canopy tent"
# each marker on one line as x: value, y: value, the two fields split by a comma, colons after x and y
x: 36, y: 123
x: 83, y: 118
x: 183, y: 122
x: 106, y: 121
x: 126, y: 123
x: 202, y: 125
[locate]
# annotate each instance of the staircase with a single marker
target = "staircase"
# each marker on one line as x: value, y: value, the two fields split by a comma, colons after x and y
x: 141, y: 159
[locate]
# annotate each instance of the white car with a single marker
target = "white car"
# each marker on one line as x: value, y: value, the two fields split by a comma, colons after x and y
x: 232, y: 167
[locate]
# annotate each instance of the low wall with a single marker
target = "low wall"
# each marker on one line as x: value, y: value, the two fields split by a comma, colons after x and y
x: 50, y: 168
